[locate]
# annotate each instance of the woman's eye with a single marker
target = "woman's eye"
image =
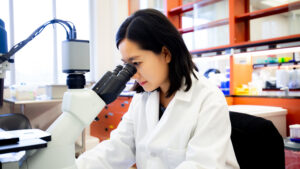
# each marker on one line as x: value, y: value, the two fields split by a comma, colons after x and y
x: 136, y: 63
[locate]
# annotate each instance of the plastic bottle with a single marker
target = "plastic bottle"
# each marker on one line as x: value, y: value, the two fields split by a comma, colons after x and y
x: 293, y: 82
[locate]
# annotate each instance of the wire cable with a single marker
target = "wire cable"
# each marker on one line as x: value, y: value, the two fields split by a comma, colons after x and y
x: 71, y: 34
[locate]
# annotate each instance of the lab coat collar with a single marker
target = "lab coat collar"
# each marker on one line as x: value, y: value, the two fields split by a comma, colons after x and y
x: 186, y: 95
x: 152, y: 105
x: 152, y: 109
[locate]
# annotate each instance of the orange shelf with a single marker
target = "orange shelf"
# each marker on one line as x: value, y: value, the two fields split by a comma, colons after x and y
x: 205, y: 26
x: 239, y: 38
x: 269, y: 11
x: 190, y: 6
x: 237, y: 17
x: 211, y: 49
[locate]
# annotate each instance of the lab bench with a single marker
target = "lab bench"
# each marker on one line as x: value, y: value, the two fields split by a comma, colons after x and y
x: 22, y: 103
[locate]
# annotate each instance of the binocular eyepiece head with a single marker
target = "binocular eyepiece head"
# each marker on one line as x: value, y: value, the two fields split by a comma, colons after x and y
x: 126, y: 73
x: 128, y: 70
x: 112, y: 83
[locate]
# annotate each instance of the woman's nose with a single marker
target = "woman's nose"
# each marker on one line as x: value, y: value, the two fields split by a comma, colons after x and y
x: 135, y: 76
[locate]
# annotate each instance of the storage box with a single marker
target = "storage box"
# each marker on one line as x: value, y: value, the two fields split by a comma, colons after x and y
x: 295, y: 131
x: 275, y: 114
x: 56, y: 91
x: 23, y: 92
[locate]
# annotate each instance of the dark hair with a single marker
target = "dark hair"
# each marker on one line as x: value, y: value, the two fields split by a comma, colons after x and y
x: 152, y: 31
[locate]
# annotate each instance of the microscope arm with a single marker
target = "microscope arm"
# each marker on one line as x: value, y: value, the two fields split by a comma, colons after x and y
x: 79, y: 107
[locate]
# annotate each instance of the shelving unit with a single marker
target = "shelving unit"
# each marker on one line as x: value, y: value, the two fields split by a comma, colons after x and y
x: 239, y: 42
x: 239, y: 30
x: 256, y: 66
x: 239, y: 17
x: 294, y: 90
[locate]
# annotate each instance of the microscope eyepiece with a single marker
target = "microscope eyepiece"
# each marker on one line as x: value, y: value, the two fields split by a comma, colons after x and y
x: 117, y: 69
x: 112, y: 83
x: 130, y: 69
x: 126, y: 73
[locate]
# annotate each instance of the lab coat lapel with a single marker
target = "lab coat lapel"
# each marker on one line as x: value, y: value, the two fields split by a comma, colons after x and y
x: 152, y: 110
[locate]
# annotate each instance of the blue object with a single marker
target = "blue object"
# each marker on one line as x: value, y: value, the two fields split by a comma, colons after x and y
x: 225, y: 85
x: 211, y: 70
x: 297, y: 140
x: 291, y: 144
x: 3, y: 38
x: 226, y: 92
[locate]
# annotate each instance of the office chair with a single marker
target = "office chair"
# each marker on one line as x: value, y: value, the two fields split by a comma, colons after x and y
x: 14, y: 121
x: 256, y: 142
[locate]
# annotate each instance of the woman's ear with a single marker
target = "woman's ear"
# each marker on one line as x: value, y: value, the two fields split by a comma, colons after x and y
x: 167, y: 54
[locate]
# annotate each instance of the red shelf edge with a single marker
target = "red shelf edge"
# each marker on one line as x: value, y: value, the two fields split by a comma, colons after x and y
x: 245, y: 43
x: 263, y: 65
x: 210, y: 49
x: 269, y: 11
x: 205, y: 26
x: 190, y: 6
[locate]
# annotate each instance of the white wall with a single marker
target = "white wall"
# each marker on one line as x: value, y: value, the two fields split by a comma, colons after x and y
x: 106, y: 17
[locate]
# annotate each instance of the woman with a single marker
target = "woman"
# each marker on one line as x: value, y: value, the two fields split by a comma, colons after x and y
x: 177, y: 119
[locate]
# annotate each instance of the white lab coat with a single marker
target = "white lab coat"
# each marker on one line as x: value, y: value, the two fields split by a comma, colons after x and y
x: 193, y: 133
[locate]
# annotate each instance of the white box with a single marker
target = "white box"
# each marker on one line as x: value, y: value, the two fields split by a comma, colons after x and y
x: 275, y: 114
x: 56, y: 91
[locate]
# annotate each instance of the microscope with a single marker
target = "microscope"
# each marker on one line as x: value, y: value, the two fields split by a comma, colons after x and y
x: 80, y: 105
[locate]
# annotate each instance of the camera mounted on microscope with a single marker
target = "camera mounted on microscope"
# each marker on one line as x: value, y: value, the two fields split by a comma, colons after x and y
x: 75, y: 53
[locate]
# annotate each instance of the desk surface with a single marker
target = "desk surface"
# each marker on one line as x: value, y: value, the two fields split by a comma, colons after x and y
x: 10, y: 100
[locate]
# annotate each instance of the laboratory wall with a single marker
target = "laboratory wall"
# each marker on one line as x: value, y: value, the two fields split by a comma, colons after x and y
x: 106, y: 17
